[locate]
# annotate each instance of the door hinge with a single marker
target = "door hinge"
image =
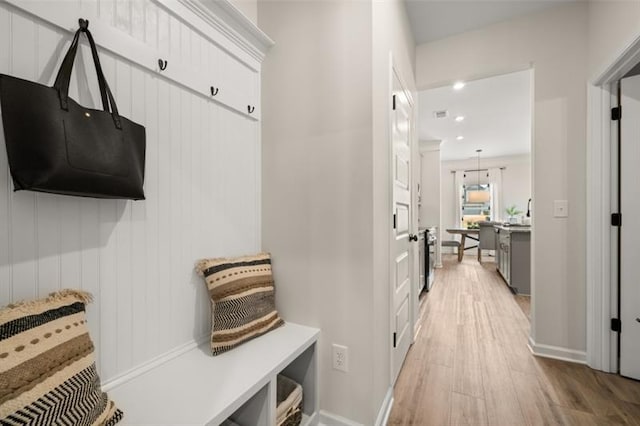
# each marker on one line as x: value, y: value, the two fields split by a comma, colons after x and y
x: 394, y: 102
x: 616, y: 325
x: 616, y: 113
x: 394, y: 221
x: 616, y: 219
x: 394, y: 340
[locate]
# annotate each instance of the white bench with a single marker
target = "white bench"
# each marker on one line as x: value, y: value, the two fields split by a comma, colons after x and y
x: 196, y: 388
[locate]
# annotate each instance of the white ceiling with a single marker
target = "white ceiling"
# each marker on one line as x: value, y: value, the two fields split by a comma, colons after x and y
x: 497, y: 113
x: 435, y: 19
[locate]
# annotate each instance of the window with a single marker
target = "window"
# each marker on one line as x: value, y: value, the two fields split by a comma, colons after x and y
x: 476, y: 203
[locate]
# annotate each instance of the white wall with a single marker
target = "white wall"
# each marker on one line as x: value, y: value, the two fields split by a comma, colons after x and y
x: 248, y: 7
x: 326, y: 181
x: 136, y: 258
x: 554, y: 43
x: 613, y: 25
x: 317, y: 183
x: 391, y: 36
x: 430, y: 188
x: 516, y: 184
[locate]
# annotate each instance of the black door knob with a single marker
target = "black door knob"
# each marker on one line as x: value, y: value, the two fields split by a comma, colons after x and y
x: 413, y: 237
x: 638, y: 319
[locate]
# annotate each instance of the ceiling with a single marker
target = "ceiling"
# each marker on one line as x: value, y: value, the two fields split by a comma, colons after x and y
x: 497, y: 117
x: 435, y: 19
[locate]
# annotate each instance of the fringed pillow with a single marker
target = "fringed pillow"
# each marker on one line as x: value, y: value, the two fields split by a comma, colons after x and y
x: 242, y: 299
x: 47, y: 365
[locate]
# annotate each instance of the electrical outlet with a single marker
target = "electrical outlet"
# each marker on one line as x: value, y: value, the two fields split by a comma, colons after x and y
x: 340, y: 358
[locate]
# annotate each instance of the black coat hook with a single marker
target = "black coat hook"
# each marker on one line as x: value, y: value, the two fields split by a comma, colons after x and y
x: 83, y: 24
x: 251, y: 109
x: 162, y: 64
x: 214, y: 90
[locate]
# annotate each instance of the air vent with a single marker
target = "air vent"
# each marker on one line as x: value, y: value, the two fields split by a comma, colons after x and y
x: 441, y: 114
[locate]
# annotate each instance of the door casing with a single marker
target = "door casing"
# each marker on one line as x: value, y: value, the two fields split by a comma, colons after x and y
x: 602, y: 169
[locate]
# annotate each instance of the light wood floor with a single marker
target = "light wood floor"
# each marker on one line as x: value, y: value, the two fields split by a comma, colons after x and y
x: 470, y: 364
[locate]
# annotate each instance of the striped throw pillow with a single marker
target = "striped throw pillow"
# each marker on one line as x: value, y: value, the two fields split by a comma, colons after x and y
x: 48, y: 373
x: 242, y: 299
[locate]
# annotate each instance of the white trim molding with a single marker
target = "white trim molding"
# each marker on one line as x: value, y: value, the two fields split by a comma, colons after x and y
x: 222, y: 17
x: 234, y: 37
x: 153, y: 363
x: 602, y: 349
x: 599, y: 210
x: 620, y: 65
x: 330, y: 419
x: 557, y: 352
x: 385, y: 408
x: 228, y: 20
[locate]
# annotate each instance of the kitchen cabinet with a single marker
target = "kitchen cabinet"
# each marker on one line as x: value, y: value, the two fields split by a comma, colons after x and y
x: 514, y: 257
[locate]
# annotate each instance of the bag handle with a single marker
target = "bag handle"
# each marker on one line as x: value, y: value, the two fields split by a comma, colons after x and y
x: 64, y: 75
x: 61, y: 82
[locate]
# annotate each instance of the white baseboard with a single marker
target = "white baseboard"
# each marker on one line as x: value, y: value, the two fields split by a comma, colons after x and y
x: 557, y: 352
x: 385, y: 408
x: 330, y: 419
x: 312, y: 420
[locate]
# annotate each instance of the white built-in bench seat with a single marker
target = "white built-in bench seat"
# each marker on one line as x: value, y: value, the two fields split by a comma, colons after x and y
x: 196, y: 388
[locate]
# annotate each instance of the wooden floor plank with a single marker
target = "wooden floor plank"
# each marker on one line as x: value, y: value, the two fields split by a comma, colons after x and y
x: 579, y: 418
x: 467, y: 410
x: 502, y: 404
x: 561, y: 386
x: 536, y: 408
x: 524, y: 302
x: 470, y: 364
x: 467, y: 367
x: 435, y: 406
x: 503, y: 408
x: 623, y: 389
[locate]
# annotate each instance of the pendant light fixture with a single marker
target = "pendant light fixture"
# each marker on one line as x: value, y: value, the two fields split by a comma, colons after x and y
x: 478, y: 196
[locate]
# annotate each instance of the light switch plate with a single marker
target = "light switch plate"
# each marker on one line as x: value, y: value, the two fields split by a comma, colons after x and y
x: 561, y: 208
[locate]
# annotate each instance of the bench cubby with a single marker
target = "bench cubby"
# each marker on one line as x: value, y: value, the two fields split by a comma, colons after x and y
x: 197, y: 388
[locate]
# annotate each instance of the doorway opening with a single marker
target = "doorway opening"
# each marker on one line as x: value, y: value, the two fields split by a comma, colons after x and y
x: 475, y: 168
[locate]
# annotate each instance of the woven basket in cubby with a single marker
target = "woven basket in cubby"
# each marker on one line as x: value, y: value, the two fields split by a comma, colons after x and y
x: 289, y: 402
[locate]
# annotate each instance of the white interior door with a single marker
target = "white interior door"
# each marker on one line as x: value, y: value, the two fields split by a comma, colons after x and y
x: 629, y: 236
x: 401, y: 247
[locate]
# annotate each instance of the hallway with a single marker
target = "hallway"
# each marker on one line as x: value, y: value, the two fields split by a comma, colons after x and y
x: 470, y: 364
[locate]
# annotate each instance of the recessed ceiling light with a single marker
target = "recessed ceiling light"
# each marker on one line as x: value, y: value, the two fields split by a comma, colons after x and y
x: 459, y: 138
x: 460, y: 118
x: 458, y: 85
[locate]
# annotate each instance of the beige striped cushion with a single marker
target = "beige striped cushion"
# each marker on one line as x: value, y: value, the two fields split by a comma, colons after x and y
x: 242, y: 299
x: 47, y: 366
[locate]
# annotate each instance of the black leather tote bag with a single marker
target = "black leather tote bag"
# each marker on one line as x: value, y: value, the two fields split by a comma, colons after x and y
x: 56, y: 145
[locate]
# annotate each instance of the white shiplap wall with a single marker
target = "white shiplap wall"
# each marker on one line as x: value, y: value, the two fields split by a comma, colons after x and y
x: 202, y: 187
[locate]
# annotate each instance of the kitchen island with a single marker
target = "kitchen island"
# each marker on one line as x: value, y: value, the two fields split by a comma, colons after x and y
x: 514, y: 257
